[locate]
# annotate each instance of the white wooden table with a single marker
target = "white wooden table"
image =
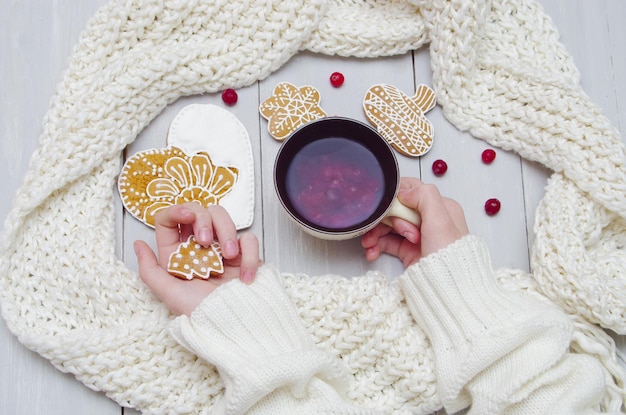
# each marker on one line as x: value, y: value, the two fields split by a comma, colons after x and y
x: 37, y: 37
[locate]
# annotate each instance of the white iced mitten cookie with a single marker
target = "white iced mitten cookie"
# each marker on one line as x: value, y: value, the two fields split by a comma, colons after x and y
x: 401, y: 119
x: 216, y: 131
x: 192, y: 260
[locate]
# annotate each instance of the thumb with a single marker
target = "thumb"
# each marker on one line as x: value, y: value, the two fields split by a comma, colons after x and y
x: 425, y: 198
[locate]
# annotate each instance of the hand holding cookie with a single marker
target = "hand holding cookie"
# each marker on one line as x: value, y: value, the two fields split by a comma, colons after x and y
x: 174, y: 226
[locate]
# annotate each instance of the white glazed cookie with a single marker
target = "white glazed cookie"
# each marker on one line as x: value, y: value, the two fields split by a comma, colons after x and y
x: 216, y: 131
x: 401, y: 119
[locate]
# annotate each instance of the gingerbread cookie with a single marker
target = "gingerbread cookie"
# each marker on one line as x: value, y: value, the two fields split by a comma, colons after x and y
x: 153, y: 180
x: 196, y: 166
x: 192, y: 260
x: 400, y: 119
x: 290, y: 107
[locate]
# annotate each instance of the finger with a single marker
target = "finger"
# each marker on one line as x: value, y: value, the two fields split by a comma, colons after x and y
x: 186, y: 230
x: 425, y: 198
x: 225, y: 230
x: 372, y: 253
x: 167, y: 230
x: 442, y: 218
x: 409, y: 183
x: 249, y: 257
x: 201, y: 227
x: 429, y: 203
x: 390, y: 244
x: 370, y: 238
x: 406, y: 229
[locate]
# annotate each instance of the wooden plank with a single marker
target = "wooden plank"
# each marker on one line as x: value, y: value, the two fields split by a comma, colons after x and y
x: 584, y: 29
x: 616, y: 15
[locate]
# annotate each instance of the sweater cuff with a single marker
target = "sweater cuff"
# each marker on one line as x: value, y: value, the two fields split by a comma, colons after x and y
x: 454, y: 295
x: 255, y: 338
x: 472, y: 322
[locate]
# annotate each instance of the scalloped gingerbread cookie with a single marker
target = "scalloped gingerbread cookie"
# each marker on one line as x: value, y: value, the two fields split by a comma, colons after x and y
x: 290, y: 107
x: 155, y: 179
x: 401, y: 119
x: 192, y: 260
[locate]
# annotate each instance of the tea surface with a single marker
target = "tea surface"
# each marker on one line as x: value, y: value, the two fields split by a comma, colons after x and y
x: 335, y: 183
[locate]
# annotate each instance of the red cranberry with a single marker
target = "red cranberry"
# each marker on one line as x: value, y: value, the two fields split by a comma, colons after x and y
x: 229, y: 96
x: 488, y: 156
x: 439, y: 167
x: 492, y: 206
x: 336, y: 79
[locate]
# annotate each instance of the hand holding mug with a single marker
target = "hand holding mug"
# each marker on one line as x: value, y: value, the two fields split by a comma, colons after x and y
x: 442, y: 222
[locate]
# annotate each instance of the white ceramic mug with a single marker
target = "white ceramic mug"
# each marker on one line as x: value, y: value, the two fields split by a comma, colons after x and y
x: 338, y: 178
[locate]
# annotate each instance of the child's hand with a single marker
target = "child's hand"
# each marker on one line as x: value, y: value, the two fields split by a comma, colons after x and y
x: 173, y: 226
x: 443, y: 222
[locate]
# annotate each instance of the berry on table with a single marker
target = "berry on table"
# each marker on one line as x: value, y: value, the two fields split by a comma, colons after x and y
x: 229, y: 96
x: 336, y: 79
x: 492, y: 206
x: 440, y: 167
x: 488, y: 156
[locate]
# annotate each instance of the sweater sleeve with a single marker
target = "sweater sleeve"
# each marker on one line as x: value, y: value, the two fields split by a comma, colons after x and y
x: 496, y: 351
x: 268, y: 362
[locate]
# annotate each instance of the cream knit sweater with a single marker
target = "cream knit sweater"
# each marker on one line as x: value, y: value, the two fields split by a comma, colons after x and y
x: 65, y: 294
x: 494, y: 349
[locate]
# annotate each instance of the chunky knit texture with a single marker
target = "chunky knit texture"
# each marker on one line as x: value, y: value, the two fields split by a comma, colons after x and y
x: 65, y: 294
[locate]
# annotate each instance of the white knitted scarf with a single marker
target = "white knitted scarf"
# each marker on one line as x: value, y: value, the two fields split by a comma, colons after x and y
x: 65, y: 294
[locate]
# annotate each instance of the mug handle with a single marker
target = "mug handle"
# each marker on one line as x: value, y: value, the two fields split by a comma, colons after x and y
x: 398, y: 210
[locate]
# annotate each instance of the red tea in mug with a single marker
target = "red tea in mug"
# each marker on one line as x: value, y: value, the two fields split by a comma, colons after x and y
x: 335, y: 183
